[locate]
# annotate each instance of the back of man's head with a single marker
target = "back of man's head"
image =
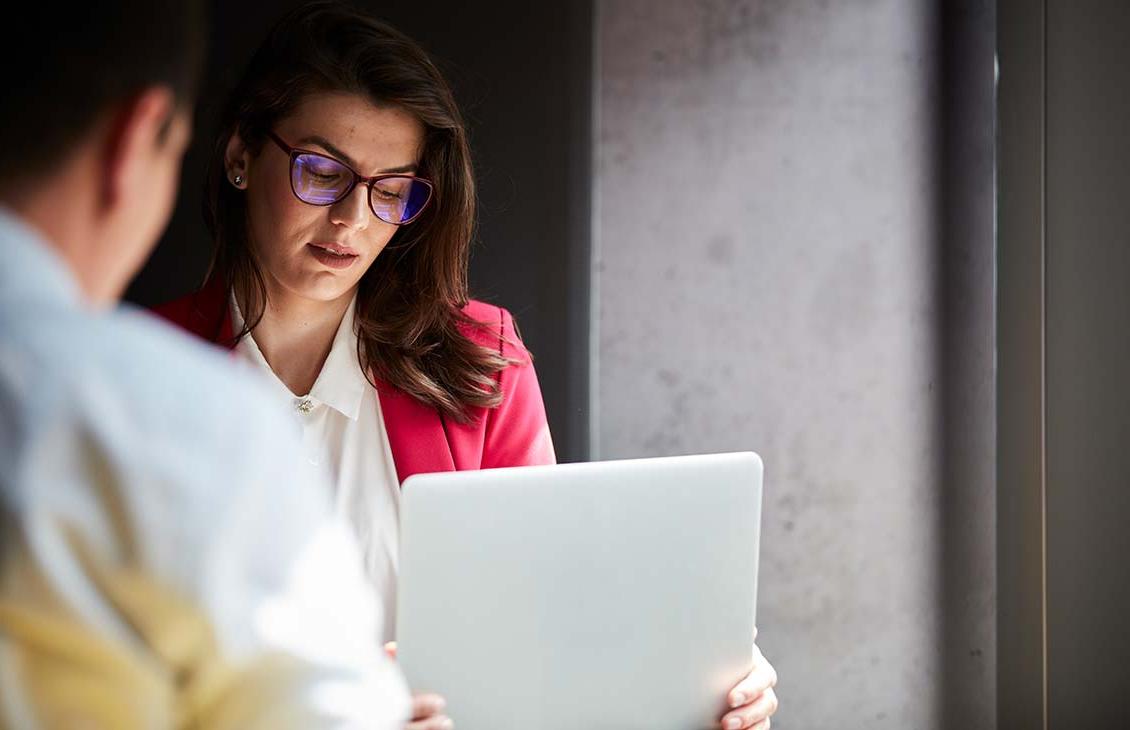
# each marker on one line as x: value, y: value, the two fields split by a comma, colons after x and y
x: 94, y: 118
x: 65, y: 65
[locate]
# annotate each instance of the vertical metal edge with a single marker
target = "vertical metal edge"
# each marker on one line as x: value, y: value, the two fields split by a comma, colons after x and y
x: 1022, y: 659
x: 595, y: 242
x: 1044, y: 359
x: 579, y: 295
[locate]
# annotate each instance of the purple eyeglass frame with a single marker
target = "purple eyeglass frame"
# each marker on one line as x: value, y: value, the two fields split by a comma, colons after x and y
x: 368, y: 182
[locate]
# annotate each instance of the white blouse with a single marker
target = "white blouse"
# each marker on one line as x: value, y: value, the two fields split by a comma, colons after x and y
x: 343, y: 432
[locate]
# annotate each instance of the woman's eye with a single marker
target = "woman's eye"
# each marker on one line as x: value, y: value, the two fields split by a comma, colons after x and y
x: 324, y: 176
x: 387, y: 195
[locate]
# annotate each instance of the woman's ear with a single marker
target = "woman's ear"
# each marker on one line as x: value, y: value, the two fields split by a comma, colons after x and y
x: 237, y: 161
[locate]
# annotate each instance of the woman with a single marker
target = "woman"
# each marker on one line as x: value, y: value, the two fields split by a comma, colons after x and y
x: 341, y: 201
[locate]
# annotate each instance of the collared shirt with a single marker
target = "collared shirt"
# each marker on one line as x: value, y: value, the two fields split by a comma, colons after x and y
x: 343, y: 432
x: 163, y: 564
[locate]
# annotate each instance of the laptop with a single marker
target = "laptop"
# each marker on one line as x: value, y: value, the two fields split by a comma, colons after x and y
x: 617, y: 594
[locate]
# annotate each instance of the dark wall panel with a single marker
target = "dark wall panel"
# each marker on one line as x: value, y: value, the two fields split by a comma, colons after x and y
x: 1088, y: 363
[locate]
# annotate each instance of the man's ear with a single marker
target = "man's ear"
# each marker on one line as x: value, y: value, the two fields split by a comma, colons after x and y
x: 237, y: 161
x: 137, y: 129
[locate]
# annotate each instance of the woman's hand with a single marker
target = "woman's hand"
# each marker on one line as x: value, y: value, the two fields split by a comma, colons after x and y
x: 427, y: 713
x: 427, y: 707
x: 753, y: 699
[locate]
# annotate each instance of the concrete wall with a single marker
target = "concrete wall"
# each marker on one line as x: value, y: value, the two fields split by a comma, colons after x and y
x: 772, y: 273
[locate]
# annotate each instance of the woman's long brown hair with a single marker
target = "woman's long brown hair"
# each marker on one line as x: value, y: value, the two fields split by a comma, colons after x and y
x: 411, y: 330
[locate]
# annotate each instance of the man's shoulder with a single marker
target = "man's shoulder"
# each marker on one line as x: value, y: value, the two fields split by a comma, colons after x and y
x: 197, y: 380
x: 129, y: 371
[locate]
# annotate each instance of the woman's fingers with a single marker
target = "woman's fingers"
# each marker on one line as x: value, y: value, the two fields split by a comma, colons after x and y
x: 754, y: 715
x: 762, y: 677
x: 390, y: 649
x: 427, y: 705
x: 427, y: 713
x: 439, y: 722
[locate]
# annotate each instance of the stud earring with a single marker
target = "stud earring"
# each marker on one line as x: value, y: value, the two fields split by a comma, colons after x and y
x: 238, y: 180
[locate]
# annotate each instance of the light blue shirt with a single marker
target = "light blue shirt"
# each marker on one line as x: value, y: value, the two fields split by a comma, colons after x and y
x: 160, y: 525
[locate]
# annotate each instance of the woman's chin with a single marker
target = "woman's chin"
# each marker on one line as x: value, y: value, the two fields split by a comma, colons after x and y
x: 324, y: 285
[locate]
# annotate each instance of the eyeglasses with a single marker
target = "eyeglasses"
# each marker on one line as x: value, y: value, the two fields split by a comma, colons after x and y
x: 321, y: 180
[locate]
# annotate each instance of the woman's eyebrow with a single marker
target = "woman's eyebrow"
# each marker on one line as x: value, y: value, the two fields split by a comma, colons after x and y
x: 333, y: 150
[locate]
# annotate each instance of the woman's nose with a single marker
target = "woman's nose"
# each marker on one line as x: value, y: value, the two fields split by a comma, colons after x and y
x: 352, y: 211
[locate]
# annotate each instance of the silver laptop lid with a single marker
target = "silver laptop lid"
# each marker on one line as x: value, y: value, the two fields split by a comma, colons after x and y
x: 613, y: 594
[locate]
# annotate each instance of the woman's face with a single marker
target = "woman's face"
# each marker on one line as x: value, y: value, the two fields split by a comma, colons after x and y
x: 295, y: 242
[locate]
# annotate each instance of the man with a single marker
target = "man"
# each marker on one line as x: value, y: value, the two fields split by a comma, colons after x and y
x: 159, y: 567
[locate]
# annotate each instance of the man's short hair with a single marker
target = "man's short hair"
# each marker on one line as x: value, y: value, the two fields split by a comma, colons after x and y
x: 63, y: 64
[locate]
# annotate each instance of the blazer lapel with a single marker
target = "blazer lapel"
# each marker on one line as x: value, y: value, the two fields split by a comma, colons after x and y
x: 209, y: 316
x: 415, y: 434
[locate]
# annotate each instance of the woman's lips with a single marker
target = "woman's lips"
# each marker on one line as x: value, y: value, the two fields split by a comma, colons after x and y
x: 333, y: 255
x: 335, y: 247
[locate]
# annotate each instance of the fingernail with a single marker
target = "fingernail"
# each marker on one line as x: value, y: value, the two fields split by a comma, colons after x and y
x: 733, y: 723
x: 448, y: 724
x: 737, y: 700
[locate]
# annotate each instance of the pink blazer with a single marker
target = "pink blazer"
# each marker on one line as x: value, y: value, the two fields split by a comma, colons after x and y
x: 515, y: 433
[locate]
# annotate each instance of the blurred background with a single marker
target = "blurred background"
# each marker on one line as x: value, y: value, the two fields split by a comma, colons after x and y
x: 772, y: 225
